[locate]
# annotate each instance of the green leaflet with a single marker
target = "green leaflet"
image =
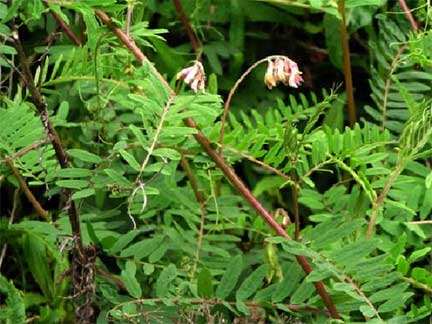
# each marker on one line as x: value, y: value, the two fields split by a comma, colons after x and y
x: 72, y: 184
x: 292, y: 276
x: 128, y: 276
x: 123, y: 241
x: 118, y: 178
x: 38, y: 260
x: 73, y: 173
x: 386, y: 294
x: 164, y: 280
x: 353, y: 253
x: 143, y: 248
x: 130, y: 159
x: 205, y: 284
x: 252, y: 283
x: 83, y: 193
x: 84, y: 156
x: 230, y: 277
x: 302, y: 293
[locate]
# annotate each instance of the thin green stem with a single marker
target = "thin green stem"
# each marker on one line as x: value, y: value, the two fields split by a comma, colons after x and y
x: 380, y: 200
x: 231, y: 93
x: 418, y: 284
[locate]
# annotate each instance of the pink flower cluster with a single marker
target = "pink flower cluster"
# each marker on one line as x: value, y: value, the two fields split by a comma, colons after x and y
x: 193, y: 76
x: 284, y: 70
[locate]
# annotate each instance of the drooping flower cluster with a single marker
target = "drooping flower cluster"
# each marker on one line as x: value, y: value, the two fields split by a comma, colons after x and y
x: 193, y: 76
x: 284, y: 70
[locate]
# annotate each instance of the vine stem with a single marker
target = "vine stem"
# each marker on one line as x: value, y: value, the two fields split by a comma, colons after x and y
x: 24, y: 187
x: 131, y: 46
x: 202, y: 203
x: 347, y: 66
x: 231, y: 94
x: 294, y: 195
x: 365, y: 298
x: 408, y: 14
x: 418, y: 284
x: 156, y: 136
x: 423, y: 222
x: 228, y: 172
x: 187, y: 26
x: 29, y: 148
x: 252, y: 200
x: 140, y: 185
x: 258, y: 162
x: 65, y: 27
x: 130, y: 8
x: 380, y: 200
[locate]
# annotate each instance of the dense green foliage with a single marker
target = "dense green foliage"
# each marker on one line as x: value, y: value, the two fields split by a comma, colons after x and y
x: 175, y: 241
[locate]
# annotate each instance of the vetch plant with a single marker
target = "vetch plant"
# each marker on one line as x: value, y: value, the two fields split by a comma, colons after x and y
x: 299, y: 217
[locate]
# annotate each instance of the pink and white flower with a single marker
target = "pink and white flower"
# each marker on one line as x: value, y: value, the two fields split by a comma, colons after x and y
x: 284, y: 70
x: 193, y: 76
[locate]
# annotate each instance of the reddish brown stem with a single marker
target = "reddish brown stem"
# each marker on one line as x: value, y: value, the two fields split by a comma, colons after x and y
x: 130, y: 45
x: 247, y: 194
x: 294, y: 195
x: 65, y: 27
x: 347, y: 66
x: 202, y: 203
x: 408, y: 14
x: 229, y: 173
x: 187, y: 26
x: 23, y: 185
x: 192, y: 180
